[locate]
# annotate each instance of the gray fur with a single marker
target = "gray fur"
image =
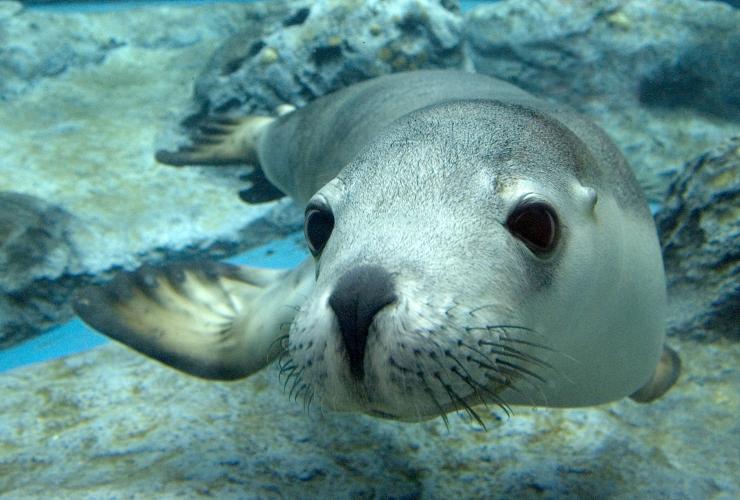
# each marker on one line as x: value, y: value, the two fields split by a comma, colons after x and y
x: 302, y: 151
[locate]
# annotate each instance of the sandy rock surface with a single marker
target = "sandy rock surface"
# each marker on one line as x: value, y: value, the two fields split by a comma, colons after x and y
x: 111, y: 424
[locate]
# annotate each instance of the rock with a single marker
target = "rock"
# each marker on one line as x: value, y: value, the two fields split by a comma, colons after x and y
x: 34, y: 241
x: 35, y: 251
x: 325, y: 45
x: 619, y: 51
x: 662, y: 77
x: 699, y: 226
x: 110, y: 423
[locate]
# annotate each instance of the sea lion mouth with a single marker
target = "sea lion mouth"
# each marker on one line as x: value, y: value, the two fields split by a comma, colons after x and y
x: 420, y: 360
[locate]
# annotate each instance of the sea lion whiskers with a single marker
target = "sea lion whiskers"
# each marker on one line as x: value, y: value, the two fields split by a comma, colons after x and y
x: 468, y: 379
x: 512, y: 353
x: 508, y: 369
x: 429, y: 392
x: 459, y: 402
x: 508, y: 373
x: 455, y: 398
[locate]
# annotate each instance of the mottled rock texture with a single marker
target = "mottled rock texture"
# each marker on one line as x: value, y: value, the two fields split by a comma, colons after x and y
x: 662, y: 77
x: 699, y: 226
x: 111, y: 424
x: 325, y: 45
x: 35, y: 254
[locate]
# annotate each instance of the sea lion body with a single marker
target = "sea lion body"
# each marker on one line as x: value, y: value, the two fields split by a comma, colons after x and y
x: 472, y: 244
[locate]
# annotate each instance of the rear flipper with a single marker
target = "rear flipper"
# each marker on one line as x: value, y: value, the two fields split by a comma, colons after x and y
x: 665, y: 375
x: 223, y: 140
x: 211, y: 320
x: 220, y: 141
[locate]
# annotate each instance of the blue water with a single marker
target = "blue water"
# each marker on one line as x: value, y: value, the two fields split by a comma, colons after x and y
x: 75, y: 336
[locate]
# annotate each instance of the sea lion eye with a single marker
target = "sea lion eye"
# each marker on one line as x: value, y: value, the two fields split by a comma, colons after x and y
x: 536, y: 224
x: 318, y: 223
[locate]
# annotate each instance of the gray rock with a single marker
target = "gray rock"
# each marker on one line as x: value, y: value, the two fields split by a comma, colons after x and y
x: 34, y: 241
x: 112, y: 424
x: 619, y: 51
x: 325, y: 45
x: 662, y: 77
x: 699, y: 226
x: 35, y: 254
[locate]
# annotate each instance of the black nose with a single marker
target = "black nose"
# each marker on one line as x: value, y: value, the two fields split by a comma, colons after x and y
x: 357, y: 298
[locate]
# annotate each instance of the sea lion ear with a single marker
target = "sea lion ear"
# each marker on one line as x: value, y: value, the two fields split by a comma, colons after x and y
x: 206, y: 319
x: 665, y: 375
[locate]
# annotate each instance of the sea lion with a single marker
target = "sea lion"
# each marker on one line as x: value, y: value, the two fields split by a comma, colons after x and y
x: 471, y: 244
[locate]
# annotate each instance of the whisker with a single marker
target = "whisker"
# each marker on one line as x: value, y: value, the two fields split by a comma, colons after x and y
x: 521, y: 369
x: 282, y: 340
x: 468, y: 379
x: 287, y: 365
x: 289, y: 377
x: 475, y: 310
x: 307, y: 402
x: 297, y: 381
x: 461, y: 402
x: 527, y: 342
x: 477, y: 351
x: 430, y: 393
x: 304, y: 387
x: 514, y: 353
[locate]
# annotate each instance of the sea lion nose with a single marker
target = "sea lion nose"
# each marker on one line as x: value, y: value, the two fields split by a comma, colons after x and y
x: 357, y: 298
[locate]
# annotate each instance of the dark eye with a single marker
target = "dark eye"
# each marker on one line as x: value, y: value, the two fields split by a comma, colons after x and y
x: 318, y: 224
x: 536, y: 224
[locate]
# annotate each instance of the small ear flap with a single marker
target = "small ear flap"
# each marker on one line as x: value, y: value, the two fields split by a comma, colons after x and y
x: 665, y: 375
x: 194, y: 317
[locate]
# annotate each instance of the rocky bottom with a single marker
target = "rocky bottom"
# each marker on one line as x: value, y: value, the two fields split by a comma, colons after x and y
x: 112, y: 424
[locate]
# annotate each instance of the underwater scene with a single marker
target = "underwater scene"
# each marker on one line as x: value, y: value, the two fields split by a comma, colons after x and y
x: 370, y: 249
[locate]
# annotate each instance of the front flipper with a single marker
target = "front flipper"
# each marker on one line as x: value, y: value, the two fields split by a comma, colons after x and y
x: 211, y: 320
x: 665, y: 375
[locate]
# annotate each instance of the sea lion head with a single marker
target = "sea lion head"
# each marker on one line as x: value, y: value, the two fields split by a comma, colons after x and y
x: 466, y: 256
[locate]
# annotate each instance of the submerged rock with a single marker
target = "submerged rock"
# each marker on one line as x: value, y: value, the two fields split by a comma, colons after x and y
x: 38, y: 45
x: 699, y: 226
x: 325, y: 45
x: 35, y: 252
x: 34, y: 241
x: 665, y: 53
